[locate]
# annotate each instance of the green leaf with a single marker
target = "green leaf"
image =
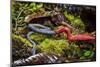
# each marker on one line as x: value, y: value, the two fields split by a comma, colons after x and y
x: 87, y: 53
x: 39, y: 6
x: 32, y: 4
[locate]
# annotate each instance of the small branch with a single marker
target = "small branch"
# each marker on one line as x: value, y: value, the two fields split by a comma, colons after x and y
x: 17, y: 19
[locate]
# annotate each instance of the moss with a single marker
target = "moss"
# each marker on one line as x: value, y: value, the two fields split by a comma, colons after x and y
x: 75, y: 21
x: 38, y: 37
x: 22, y: 39
x: 53, y: 46
x: 59, y: 47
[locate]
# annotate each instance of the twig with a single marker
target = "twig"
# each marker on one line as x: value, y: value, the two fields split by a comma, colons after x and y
x: 17, y: 19
x: 19, y: 16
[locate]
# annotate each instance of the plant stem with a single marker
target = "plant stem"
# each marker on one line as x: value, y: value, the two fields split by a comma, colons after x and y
x: 17, y: 19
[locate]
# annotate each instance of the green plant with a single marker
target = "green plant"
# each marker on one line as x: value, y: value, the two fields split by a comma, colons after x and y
x: 35, y: 7
x: 53, y: 46
x: 38, y: 37
x: 22, y: 39
x: 88, y: 53
x: 76, y: 22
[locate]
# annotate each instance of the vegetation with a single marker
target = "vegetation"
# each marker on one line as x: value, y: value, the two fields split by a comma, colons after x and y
x: 24, y: 40
x: 51, y: 44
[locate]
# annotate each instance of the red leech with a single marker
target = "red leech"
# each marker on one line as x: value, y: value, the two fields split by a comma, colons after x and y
x: 79, y: 37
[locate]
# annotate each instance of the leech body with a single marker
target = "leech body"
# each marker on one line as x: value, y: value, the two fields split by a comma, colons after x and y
x: 34, y: 44
x: 79, y: 37
x: 42, y: 30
